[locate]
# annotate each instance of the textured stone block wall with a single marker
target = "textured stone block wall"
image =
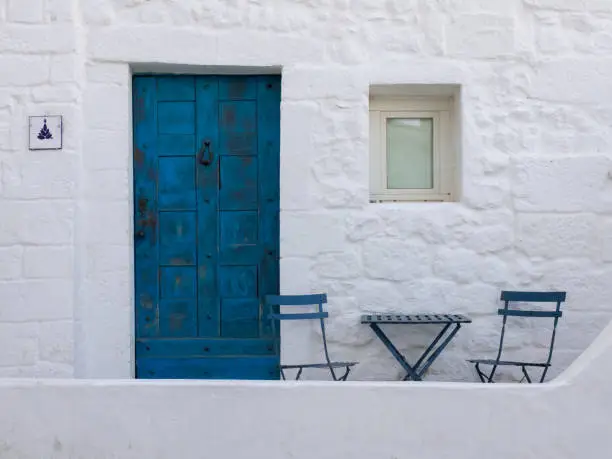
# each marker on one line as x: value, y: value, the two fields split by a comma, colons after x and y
x: 38, y: 190
x: 536, y: 201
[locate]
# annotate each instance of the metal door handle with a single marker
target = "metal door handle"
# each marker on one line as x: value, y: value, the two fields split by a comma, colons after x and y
x: 206, y: 154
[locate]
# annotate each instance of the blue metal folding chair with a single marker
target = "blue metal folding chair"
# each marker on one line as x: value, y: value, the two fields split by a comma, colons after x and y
x: 512, y: 296
x: 321, y: 315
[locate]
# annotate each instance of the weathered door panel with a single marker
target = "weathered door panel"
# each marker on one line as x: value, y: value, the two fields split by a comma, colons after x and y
x: 206, y: 189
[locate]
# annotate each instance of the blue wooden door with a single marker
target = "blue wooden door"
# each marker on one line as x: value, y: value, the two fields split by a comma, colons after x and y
x: 206, y: 229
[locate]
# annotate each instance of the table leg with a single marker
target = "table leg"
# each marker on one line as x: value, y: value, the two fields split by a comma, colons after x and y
x: 432, y: 346
x: 398, y: 356
x: 439, y: 350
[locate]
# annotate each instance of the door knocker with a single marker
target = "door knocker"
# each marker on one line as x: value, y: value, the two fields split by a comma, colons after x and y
x: 206, y: 154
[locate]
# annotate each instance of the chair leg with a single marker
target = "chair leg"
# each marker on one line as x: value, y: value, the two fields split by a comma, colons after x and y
x: 526, y: 374
x: 299, y: 373
x: 492, y: 374
x: 481, y: 375
x: 333, y: 373
x: 544, y: 374
x: 283, y: 374
x: 345, y: 375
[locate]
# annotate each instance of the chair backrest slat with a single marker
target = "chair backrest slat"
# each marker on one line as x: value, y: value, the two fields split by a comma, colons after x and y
x: 528, y: 313
x: 314, y: 300
x: 533, y: 297
x: 296, y: 300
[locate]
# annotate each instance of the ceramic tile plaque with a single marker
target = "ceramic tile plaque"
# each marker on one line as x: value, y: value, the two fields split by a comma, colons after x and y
x: 46, y: 132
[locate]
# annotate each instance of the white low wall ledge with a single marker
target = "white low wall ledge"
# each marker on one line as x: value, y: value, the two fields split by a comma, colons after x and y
x: 566, y: 418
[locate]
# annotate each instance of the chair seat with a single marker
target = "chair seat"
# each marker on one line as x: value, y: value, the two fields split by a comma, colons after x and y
x: 509, y: 362
x: 320, y: 365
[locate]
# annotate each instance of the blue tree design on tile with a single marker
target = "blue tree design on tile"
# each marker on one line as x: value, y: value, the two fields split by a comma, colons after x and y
x: 45, y: 133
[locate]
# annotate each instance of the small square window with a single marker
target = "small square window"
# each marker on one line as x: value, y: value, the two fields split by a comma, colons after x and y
x: 410, y: 149
x: 409, y: 153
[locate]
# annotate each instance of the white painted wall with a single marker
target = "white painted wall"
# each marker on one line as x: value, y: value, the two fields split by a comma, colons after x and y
x: 565, y: 419
x: 535, y: 210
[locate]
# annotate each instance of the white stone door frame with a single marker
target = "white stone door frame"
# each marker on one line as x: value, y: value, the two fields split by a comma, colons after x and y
x: 104, y: 312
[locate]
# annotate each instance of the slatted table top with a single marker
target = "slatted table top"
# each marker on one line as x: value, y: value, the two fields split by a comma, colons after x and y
x: 393, y: 318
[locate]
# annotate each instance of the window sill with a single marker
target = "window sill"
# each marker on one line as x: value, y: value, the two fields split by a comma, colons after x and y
x: 409, y: 198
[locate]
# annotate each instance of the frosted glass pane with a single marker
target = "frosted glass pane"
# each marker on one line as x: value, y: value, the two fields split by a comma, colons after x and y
x: 410, y: 153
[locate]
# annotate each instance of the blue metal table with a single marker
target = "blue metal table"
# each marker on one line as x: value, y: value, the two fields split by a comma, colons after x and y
x: 451, y: 324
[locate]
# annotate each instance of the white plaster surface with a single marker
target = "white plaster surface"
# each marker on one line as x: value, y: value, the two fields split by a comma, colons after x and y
x: 565, y: 419
x: 535, y: 208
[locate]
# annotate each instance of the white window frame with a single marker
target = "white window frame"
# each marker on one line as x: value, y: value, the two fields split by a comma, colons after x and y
x: 437, y: 108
